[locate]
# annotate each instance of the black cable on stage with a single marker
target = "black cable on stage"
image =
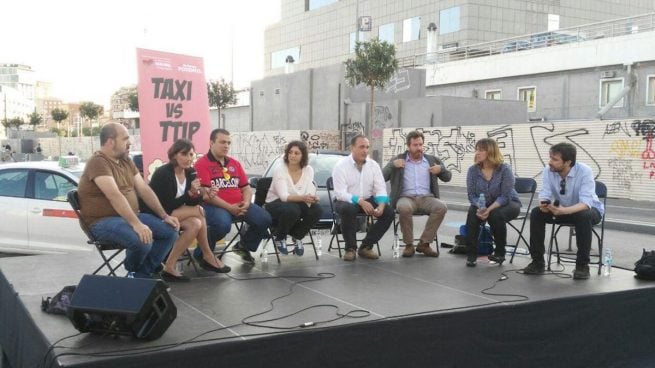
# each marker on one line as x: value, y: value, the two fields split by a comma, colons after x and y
x: 144, y: 350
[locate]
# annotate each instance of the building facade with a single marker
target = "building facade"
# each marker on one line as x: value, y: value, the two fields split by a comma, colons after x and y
x: 322, y: 32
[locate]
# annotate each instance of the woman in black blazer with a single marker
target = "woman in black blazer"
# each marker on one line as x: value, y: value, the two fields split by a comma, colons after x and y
x: 180, y: 193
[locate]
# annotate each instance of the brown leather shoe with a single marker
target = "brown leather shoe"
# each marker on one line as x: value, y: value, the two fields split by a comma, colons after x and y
x: 409, y: 251
x: 426, y: 250
x: 350, y: 255
x: 367, y: 252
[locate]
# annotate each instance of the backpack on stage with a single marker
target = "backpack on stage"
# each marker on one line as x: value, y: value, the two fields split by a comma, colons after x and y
x: 645, y: 267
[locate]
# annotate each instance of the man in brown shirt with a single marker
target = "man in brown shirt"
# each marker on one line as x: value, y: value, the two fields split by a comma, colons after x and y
x: 108, y: 192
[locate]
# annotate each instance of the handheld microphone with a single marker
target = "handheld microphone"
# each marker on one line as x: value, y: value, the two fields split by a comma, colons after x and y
x: 192, y: 176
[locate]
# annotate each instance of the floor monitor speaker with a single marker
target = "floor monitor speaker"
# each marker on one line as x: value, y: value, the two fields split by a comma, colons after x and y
x: 122, y: 306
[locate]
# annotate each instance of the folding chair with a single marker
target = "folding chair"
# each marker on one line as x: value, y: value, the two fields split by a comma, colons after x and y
x: 601, y: 192
x: 101, y: 247
x: 261, y: 190
x: 336, y: 222
x: 522, y: 186
x: 396, y: 224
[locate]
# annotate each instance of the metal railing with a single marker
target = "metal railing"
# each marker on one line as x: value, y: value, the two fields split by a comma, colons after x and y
x: 586, y: 32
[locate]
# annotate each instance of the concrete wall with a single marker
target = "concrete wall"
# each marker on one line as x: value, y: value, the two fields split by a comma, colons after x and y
x: 282, y: 102
x: 620, y: 152
x: 234, y: 119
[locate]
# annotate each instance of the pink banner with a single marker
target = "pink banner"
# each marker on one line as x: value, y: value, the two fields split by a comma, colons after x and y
x: 173, y: 104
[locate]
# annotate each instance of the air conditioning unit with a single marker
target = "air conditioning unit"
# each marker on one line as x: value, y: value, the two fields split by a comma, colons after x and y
x: 607, y: 74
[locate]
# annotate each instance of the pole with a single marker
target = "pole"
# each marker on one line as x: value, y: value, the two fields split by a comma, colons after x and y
x: 356, y: 21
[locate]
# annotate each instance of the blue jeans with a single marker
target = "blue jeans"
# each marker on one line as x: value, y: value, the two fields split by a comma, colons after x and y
x: 142, y: 259
x: 219, y: 223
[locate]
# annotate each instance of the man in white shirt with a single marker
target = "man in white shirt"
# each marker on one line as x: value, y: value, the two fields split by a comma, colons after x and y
x: 359, y: 187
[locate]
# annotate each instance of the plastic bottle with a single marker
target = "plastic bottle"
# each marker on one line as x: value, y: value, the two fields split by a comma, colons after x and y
x: 319, y: 244
x: 396, y: 246
x: 482, y: 202
x: 263, y: 256
x: 607, y: 261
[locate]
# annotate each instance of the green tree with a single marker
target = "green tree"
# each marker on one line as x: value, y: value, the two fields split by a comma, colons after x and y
x: 16, y: 122
x: 133, y: 100
x: 5, y: 123
x: 374, y: 64
x: 90, y: 111
x: 221, y: 94
x: 59, y: 115
x: 35, y: 119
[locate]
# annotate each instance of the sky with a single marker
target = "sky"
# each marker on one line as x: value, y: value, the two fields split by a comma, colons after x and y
x: 87, y: 49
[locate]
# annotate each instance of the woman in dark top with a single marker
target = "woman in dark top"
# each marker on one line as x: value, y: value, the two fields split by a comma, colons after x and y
x: 180, y: 193
x: 493, y: 178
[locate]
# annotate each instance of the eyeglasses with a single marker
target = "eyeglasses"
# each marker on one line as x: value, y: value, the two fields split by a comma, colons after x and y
x: 562, y: 187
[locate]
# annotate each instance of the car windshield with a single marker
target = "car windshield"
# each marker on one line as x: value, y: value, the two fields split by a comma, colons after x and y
x: 321, y: 163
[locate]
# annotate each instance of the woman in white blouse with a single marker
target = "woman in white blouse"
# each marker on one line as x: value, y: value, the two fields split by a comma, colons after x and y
x: 292, y: 199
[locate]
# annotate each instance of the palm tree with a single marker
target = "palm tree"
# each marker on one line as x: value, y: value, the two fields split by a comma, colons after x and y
x: 374, y: 64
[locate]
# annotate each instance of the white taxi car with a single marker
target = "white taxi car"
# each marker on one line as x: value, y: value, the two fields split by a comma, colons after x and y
x: 36, y: 218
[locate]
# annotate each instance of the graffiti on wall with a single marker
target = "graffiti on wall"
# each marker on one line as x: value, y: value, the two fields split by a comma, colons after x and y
x: 621, y: 153
x: 321, y: 140
x: 351, y: 129
x: 256, y: 150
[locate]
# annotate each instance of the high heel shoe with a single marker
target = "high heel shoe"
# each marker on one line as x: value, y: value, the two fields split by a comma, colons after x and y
x: 209, y: 267
x: 497, y: 259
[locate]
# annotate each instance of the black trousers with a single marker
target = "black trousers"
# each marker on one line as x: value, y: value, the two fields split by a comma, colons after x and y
x: 583, y: 220
x: 497, y: 220
x: 348, y: 213
x: 293, y: 218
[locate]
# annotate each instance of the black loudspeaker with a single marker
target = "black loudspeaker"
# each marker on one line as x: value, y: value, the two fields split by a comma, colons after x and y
x: 122, y: 306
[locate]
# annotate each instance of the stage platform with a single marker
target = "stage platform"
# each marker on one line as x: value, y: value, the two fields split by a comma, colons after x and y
x: 407, y: 312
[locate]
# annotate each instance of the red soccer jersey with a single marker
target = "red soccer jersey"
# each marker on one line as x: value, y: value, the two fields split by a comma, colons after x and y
x: 229, y: 179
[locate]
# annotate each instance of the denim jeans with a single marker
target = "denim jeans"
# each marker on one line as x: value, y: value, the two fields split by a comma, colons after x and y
x: 219, y: 223
x: 142, y: 259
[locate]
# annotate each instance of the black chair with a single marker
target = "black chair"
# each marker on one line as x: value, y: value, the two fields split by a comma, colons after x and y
x: 396, y: 224
x: 261, y: 190
x: 113, y: 249
x: 336, y: 222
x: 601, y: 192
x: 522, y: 186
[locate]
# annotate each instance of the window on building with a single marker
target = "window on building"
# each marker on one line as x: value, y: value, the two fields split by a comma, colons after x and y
x: 351, y: 46
x: 278, y: 58
x: 529, y: 95
x: 386, y: 33
x: 411, y: 29
x: 449, y: 20
x: 494, y: 94
x: 650, y: 90
x: 610, y: 88
x: 315, y: 4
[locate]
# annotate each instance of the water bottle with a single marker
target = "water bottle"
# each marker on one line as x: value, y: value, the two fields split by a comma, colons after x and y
x: 263, y: 256
x: 319, y: 244
x: 607, y: 261
x: 482, y: 202
x: 396, y: 246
